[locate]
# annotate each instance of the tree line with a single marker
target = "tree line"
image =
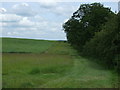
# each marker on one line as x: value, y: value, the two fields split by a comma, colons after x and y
x: 94, y: 30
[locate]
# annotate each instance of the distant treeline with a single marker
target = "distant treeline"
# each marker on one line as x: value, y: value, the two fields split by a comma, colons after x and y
x: 94, y: 31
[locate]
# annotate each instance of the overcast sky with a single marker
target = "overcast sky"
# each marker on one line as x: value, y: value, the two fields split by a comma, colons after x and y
x: 38, y: 20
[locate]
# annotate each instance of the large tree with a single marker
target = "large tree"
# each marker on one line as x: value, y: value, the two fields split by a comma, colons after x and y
x: 95, y: 31
x: 87, y: 20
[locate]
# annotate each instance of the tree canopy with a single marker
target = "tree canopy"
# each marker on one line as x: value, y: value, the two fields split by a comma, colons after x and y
x: 94, y: 31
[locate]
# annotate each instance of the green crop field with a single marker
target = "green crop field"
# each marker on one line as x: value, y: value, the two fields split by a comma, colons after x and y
x: 12, y: 45
x: 50, y: 64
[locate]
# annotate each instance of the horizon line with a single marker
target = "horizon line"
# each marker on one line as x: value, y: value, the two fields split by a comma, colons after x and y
x: 36, y: 38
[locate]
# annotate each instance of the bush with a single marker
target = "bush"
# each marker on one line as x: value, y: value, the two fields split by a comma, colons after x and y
x: 102, y: 45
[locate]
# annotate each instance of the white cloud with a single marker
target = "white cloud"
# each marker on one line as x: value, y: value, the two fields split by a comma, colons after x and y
x: 39, y: 18
x: 15, y: 21
x: 2, y: 24
x: 25, y: 27
x: 26, y: 22
x: 57, y: 8
x: 23, y: 9
x: 48, y: 4
x: 25, y: 4
x: 65, y: 10
x: 20, y: 5
x: 42, y: 24
x: 2, y: 10
x: 9, y: 18
x: 13, y: 33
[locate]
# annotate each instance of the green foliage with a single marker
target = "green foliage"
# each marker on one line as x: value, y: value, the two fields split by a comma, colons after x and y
x: 74, y: 30
x: 95, y: 31
x: 87, y: 20
x: 102, y: 45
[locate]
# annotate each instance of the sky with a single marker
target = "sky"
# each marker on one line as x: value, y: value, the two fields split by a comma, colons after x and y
x: 39, y: 20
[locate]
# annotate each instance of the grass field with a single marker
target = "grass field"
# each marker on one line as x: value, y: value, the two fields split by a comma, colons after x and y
x: 52, y: 64
x: 12, y: 45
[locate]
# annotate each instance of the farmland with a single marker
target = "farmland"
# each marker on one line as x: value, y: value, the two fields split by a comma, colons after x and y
x: 12, y: 45
x: 50, y: 64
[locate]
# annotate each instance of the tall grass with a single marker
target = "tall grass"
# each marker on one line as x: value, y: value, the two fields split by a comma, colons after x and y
x: 59, y: 66
x: 22, y: 70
